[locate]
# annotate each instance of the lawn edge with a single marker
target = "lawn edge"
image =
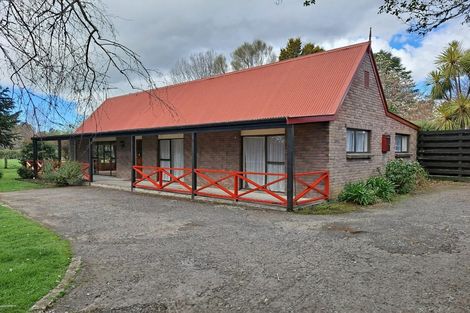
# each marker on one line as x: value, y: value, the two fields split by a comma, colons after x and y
x: 45, y: 302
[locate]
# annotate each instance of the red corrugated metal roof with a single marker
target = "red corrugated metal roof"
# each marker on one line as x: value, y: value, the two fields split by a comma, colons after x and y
x: 309, y: 86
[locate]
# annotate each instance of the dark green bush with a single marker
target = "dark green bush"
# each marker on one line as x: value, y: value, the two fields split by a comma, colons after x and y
x: 1, y: 174
x: 46, y: 151
x: 359, y: 193
x: 25, y: 173
x: 70, y: 173
x: 405, y: 175
x: 383, y: 188
x: 48, y: 172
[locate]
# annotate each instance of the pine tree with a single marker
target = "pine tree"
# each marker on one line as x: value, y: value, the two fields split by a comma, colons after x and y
x: 8, y: 119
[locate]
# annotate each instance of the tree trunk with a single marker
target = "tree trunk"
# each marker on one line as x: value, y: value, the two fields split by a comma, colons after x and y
x: 6, y: 162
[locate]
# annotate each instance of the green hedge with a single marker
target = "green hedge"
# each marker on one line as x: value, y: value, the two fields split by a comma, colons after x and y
x: 400, y: 177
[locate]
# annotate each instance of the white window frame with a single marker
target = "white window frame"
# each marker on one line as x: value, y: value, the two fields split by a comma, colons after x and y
x: 356, y: 131
x: 399, y: 138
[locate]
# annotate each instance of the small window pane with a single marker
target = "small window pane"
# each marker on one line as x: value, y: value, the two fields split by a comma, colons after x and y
x: 164, y: 149
x: 350, y: 141
x: 401, y: 143
x: 361, y: 141
x: 276, y: 149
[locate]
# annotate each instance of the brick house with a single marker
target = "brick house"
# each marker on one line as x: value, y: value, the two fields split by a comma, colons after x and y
x: 287, y: 133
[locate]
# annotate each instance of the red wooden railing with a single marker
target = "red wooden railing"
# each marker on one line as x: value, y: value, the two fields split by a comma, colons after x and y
x: 234, y: 185
x: 174, y: 180
x: 85, y: 171
x: 29, y: 164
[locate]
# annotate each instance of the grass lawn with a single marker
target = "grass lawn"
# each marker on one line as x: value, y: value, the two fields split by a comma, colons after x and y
x: 32, y: 261
x: 327, y: 208
x: 10, y: 180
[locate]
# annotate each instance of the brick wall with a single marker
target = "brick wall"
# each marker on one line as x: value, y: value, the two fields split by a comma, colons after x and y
x: 123, y: 157
x: 149, y: 150
x: 218, y: 150
x: 311, y: 147
x: 81, y: 145
x: 363, y: 109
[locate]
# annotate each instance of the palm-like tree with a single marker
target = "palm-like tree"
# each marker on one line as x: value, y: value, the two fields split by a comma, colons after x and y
x: 451, y: 83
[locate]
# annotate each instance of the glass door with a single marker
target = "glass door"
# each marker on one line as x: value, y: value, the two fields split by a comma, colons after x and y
x: 264, y: 154
x: 254, y: 159
x: 171, y: 154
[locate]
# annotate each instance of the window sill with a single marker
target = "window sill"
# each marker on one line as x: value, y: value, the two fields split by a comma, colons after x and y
x: 355, y: 156
x: 402, y: 155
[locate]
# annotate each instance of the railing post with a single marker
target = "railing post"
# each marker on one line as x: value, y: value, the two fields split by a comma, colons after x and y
x: 90, y: 159
x: 236, y: 186
x: 59, y: 151
x: 35, y: 158
x: 133, y: 156
x: 193, y: 164
x: 327, y: 185
x: 290, y: 166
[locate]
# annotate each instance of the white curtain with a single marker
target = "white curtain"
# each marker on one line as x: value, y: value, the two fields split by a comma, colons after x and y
x: 350, y: 141
x: 276, y: 156
x: 177, y: 155
x: 254, y: 159
x: 362, y: 141
x: 164, y: 147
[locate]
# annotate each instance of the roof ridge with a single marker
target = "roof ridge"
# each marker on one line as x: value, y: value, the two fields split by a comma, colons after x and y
x: 246, y: 69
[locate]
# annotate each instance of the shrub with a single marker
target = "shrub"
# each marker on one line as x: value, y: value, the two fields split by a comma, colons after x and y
x: 70, y: 173
x: 404, y: 175
x: 359, y: 193
x: 25, y: 173
x: 48, y: 172
x: 1, y: 174
x: 383, y: 188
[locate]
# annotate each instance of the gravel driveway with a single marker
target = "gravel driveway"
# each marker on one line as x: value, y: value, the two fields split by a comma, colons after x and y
x: 143, y: 253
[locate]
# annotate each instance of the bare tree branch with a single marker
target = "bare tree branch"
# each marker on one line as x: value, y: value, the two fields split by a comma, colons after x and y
x: 56, y: 50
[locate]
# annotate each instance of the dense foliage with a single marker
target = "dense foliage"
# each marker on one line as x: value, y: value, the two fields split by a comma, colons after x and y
x: 404, y: 175
x: 383, y: 188
x: 294, y: 49
x: 358, y: 192
x: 46, y: 151
x: 68, y: 174
x: 398, y: 85
x: 400, y: 177
x: 25, y: 173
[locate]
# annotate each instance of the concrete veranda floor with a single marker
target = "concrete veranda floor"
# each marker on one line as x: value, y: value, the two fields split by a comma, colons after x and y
x: 153, y: 254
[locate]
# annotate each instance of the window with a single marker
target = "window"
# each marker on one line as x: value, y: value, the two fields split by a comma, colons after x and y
x: 104, y: 157
x: 401, y: 143
x: 357, y: 141
x: 366, y: 79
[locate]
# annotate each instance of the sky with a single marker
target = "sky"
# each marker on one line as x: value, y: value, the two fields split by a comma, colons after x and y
x: 161, y: 32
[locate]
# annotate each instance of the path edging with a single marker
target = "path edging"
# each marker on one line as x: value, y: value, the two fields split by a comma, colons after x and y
x: 45, y: 302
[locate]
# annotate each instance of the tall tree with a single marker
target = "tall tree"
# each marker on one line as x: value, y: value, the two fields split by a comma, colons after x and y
x: 398, y: 85
x: 295, y: 49
x: 63, y: 49
x: 252, y: 54
x: 8, y: 119
x: 198, y: 65
x: 423, y: 16
x: 450, y: 84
